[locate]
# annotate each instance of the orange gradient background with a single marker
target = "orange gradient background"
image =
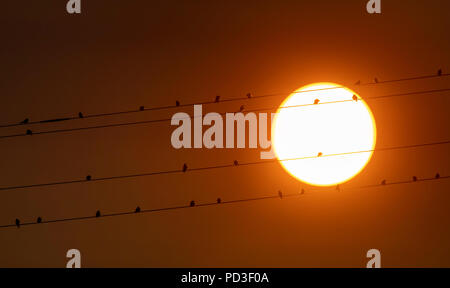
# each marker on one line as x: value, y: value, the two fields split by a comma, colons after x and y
x: 119, y: 55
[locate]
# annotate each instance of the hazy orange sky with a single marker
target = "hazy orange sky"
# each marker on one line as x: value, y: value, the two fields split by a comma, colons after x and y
x: 119, y: 55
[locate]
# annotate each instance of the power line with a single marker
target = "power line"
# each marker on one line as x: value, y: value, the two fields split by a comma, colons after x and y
x: 30, y: 133
x: 216, y: 203
x: 178, y: 105
x: 406, y: 79
x: 143, y: 109
x: 235, y: 164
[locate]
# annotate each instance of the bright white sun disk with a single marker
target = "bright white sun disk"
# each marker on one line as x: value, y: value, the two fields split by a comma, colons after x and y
x: 327, y: 128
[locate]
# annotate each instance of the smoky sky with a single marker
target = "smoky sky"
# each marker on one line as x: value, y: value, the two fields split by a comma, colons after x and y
x: 120, y: 55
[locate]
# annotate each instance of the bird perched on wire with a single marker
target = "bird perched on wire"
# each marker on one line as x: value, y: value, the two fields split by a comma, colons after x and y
x: 440, y: 72
x: 338, y: 188
x: 280, y: 194
x: 138, y: 209
x: 88, y: 178
x: 29, y: 132
x: 177, y: 103
x: 18, y: 223
x: 219, y: 200
x: 355, y: 98
x: 375, y: 80
x: 302, y: 191
x: 192, y: 204
x: 80, y: 115
x: 25, y: 121
x: 185, y: 167
x: 98, y: 214
x: 316, y: 101
x: 437, y: 176
x: 249, y: 95
x: 358, y: 82
x: 142, y: 108
x: 217, y: 99
x: 383, y: 182
x: 319, y: 154
x: 39, y: 220
x: 241, y: 108
x: 414, y: 178
x: 236, y: 163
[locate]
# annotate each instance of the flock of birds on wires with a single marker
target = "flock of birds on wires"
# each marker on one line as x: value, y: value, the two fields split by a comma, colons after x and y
x: 185, y: 168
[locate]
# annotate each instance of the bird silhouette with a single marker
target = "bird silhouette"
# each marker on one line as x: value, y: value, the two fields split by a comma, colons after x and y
x: 25, y: 121
x: 249, y: 95
x: 280, y: 194
x: 375, y: 80
x: 355, y: 98
x: 138, y: 209
x: 88, y: 178
x: 177, y: 103
x: 39, y: 220
x: 440, y: 72
x: 383, y: 182
x: 29, y: 132
x: 236, y: 163
x: 142, y: 108
x: 185, y: 167
x: 319, y: 154
x: 358, y: 82
x: 437, y: 176
x: 80, y: 115
x: 217, y: 99
x: 219, y: 200
x: 303, y: 191
x: 192, y: 204
x: 338, y: 188
x: 241, y: 108
x: 18, y: 223
x: 98, y: 214
x: 316, y: 101
x: 414, y: 178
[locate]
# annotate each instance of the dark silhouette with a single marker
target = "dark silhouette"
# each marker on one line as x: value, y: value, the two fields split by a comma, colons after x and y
x: 138, y: 209
x: 217, y: 99
x: 355, y: 98
x: 241, y: 108
x: 316, y: 101
x: 192, y: 204
x: 18, y: 223
x: 338, y: 188
x: 177, y: 103
x: 219, y: 200
x: 25, y: 121
x: 302, y: 192
x: 414, y: 178
x: 39, y: 220
x: 375, y: 80
x: 249, y: 95
x: 236, y: 163
x: 185, y: 167
x: 440, y: 72
x: 383, y: 182
x: 142, y: 108
x: 280, y: 194
x: 80, y: 115
x: 437, y: 176
x: 88, y: 178
x: 319, y: 154
x: 97, y: 214
x: 358, y: 82
x: 54, y: 120
x: 29, y: 132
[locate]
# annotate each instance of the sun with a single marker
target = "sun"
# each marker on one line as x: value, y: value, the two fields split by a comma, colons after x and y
x: 308, y: 125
